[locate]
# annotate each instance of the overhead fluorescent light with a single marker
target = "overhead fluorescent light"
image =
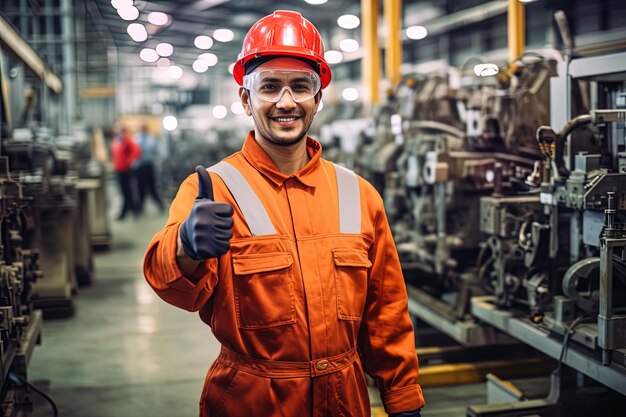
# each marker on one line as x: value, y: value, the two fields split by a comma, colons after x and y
x: 223, y: 35
x: 203, y: 42
x: 333, y: 57
x: 148, y: 55
x: 137, y: 32
x: 349, y: 45
x: 165, y: 49
x: 158, y: 18
x: 348, y: 21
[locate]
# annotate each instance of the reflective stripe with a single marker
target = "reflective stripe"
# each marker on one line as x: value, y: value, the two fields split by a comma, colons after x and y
x: 249, y: 203
x: 349, y: 201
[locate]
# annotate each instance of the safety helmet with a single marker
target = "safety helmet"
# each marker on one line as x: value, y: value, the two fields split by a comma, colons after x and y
x: 283, y: 33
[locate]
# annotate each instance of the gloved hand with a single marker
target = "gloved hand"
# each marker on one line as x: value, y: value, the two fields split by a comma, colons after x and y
x: 206, y: 232
x: 414, y: 413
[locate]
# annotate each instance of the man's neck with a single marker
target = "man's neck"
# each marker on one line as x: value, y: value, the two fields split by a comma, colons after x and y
x: 288, y: 159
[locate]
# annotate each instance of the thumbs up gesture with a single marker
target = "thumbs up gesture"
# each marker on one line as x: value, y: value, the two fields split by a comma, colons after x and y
x: 206, y: 232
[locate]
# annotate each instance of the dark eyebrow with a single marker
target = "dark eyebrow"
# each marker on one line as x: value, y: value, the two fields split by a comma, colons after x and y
x: 270, y: 80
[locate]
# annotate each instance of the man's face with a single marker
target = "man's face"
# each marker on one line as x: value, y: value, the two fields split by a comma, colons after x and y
x: 286, y: 121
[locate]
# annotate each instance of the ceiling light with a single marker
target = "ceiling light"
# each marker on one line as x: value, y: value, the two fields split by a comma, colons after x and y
x: 348, y: 21
x: 128, y: 13
x: 163, y: 63
x: 170, y: 123
x: 237, y: 107
x: 209, y: 58
x: 137, y: 32
x: 223, y: 35
x: 165, y: 49
x: 416, y: 32
x: 175, y: 72
x: 350, y: 94
x: 349, y: 45
x: 231, y: 68
x: 148, y: 55
x: 525, y: 1
x: 121, y: 3
x: 158, y: 18
x: 219, y: 111
x: 200, y: 66
x: 203, y: 42
x: 316, y: 1
x: 333, y: 57
x: 485, y: 70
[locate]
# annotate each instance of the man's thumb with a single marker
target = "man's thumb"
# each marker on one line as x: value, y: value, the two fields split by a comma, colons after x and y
x: 205, y: 187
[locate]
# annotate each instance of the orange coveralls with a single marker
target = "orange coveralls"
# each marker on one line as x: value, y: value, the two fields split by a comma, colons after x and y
x: 301, y: 312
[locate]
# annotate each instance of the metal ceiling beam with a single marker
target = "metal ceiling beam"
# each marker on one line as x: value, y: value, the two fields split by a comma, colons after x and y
x: 16, y: 43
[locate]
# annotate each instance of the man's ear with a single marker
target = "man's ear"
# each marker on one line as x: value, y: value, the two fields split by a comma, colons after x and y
x: 318, y: 100
x: 245, y: 100
x: 318, y: 97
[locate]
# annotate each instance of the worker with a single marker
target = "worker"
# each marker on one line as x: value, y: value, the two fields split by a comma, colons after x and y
x: 288, y: 257
x: 145, y: 168
x: 125, y: 152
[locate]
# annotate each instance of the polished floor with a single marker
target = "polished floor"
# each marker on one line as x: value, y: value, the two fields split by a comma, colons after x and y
x: 126, y: 353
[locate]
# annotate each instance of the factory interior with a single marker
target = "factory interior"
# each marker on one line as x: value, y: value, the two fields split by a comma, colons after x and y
x: 494, y: 131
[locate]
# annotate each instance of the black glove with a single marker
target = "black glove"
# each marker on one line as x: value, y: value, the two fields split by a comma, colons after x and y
x: 206, y: 232
x: 414, y: 413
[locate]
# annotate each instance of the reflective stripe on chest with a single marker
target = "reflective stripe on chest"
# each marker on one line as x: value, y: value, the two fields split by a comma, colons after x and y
x: 256, y: 215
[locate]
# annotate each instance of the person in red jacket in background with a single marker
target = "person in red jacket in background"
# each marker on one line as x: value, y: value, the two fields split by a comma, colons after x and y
x: 125, y: 152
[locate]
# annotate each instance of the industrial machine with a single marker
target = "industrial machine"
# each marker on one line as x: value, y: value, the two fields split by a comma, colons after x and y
x: 557, y: 270
x: 506, y: 195
x: 440, y: 143
x: 20, y: 324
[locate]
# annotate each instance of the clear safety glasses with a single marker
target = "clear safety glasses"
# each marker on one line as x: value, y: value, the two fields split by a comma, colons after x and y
x: 270, y: 84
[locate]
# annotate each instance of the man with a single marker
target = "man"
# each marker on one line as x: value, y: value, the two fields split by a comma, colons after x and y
x: 288, y: 257
x: 145, y: 168
x: 124, y: 153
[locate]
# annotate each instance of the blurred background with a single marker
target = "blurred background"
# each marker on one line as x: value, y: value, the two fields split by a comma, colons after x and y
x: 494, y: 130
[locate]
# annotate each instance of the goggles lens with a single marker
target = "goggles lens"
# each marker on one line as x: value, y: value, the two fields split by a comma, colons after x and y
x: 270, y: 85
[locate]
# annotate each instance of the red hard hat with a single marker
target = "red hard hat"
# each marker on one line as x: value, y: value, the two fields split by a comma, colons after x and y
x: 284, y: 33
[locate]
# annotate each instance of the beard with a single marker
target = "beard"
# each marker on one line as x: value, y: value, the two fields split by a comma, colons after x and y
x: 281, y: 137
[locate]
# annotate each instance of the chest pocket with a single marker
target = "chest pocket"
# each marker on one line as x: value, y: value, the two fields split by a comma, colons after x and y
x: 351, y: 270
x: 264, y: 293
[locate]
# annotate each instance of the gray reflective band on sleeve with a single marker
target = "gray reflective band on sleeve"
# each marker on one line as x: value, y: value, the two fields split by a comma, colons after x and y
x: 249, y: 203
x: 349, y: 201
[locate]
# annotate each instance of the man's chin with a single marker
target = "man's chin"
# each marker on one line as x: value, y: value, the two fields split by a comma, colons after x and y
x: 287, y: 140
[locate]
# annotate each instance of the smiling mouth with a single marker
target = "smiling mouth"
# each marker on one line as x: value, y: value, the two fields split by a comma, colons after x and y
x: 285, y: 119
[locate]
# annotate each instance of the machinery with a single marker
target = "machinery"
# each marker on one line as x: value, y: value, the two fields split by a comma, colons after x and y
x: 506, y: 196
x: 558, y: 276
x: 20, y: 324
x: 435, y: 151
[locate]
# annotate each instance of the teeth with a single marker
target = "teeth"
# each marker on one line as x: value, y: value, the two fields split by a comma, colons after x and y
x: 285, y: 119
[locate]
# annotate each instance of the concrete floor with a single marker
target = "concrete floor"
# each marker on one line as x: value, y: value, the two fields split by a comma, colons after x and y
x: 126, y: 353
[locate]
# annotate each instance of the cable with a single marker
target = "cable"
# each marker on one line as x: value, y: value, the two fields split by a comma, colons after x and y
x: 18, y: 380
x: 570, y: 331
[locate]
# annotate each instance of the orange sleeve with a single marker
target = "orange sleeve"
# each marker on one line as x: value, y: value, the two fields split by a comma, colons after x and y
x: 160, y: 267
x: 386, y: 338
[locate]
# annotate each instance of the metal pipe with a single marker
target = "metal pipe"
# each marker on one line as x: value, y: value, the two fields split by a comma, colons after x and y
x: 69, y: 61
x: 370, y: 63
x: 516, y: 30
x: 393, y: 43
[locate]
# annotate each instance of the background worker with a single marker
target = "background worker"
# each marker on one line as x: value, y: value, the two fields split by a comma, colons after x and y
x: 145, y: 167
x: 125, y: 152
x: 288, y: 257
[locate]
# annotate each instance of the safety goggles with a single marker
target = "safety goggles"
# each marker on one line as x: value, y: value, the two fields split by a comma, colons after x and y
x: 270, y: 84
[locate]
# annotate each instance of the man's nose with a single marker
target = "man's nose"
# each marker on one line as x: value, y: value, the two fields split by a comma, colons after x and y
x: 286, y: 101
